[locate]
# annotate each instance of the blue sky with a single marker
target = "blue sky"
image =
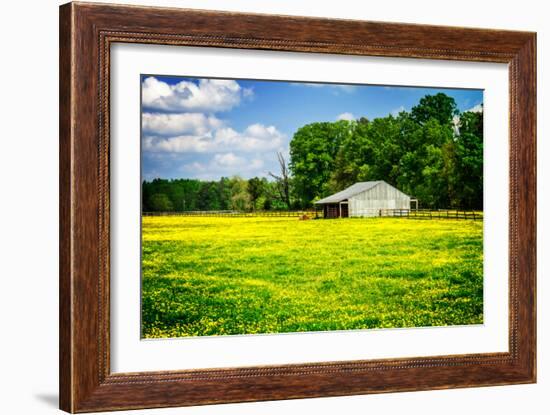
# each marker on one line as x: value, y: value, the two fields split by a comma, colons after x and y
x: 208, y: 128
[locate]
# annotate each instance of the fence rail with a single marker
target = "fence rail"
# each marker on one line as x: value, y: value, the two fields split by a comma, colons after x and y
x: 395, y: 213
x: 237, y: 214
x: 432, y: 214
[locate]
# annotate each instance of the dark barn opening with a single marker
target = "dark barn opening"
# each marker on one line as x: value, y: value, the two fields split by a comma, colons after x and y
x: 331, y: 211
x: 335, y: 210
x: 344, y: 210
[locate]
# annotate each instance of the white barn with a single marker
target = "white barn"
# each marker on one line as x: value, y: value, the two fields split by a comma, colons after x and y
x: 364, y: 199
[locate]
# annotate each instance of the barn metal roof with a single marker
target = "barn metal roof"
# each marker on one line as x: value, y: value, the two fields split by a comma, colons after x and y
x: 354, y: 189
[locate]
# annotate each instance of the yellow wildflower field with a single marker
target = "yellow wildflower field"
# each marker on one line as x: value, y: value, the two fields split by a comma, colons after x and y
x: 206, y: 276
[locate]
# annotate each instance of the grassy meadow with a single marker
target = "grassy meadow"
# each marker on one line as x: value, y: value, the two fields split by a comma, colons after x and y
x: 219, y: 276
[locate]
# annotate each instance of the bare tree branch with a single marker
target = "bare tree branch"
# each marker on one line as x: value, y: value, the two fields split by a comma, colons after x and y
x: 283, y: 181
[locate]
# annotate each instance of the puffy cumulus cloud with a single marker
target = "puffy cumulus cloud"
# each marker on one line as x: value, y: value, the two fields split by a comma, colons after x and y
x: 255, y: 138
x: 348, y: 116
x: 178, y: 124
x: 232, y: 161
x: 209, y: 95
x: 228, y: 160
x: 226, y: 164
x: 179, y: 144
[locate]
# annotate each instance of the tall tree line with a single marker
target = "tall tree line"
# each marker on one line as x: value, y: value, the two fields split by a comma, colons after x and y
x: 235, y: 193
x: 432, y: 153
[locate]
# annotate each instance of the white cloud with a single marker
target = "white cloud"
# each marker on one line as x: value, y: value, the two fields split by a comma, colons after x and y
x: 228, y: 160
x: 179, y: 144
x: 226, y: 164
x: 248, y: 93
x: 476, y: 108
x: 336, y: 87
x: 456, y: 118
x: 255, y: 138
x: 348, y: 116
x: 396, y: 111
x: 345, y: 88
x: 177, y: 124
x: 210, y: 95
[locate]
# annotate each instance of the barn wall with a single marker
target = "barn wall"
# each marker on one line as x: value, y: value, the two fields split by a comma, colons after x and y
x: 382, y: 196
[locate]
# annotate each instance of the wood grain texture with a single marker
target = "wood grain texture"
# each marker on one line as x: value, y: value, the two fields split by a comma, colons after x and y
x: 65, y: 246
x: 86, y: 33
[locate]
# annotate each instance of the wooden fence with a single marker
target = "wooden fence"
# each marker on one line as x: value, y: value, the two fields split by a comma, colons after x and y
x: 432, y: 214
x: 394, y: 213
x: 237, y: 214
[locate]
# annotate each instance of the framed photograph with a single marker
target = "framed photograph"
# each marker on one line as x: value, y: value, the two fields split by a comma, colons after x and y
x: 258, y: 207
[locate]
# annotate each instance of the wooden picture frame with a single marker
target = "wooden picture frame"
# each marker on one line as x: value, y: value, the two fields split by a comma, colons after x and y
x: 86, y: 33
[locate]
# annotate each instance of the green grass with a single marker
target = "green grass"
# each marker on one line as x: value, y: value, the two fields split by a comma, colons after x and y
x: 217, y: 276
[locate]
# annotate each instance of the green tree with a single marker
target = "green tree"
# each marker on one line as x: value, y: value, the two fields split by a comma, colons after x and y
x: 440, y: 107
x: 355, y: 151
x: 469, y: 160
x: 208, y: 197
x: 159, y: 202
x: 240, y: 199
x: 312, y: 151
x: 471, y: 122
x: 255, y: 188
x: 224, y: 193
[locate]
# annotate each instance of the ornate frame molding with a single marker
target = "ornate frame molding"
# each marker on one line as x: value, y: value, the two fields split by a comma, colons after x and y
x: 87, y: 31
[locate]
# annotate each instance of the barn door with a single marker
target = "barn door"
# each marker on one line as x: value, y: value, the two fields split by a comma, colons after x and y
x: 344, y: 210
